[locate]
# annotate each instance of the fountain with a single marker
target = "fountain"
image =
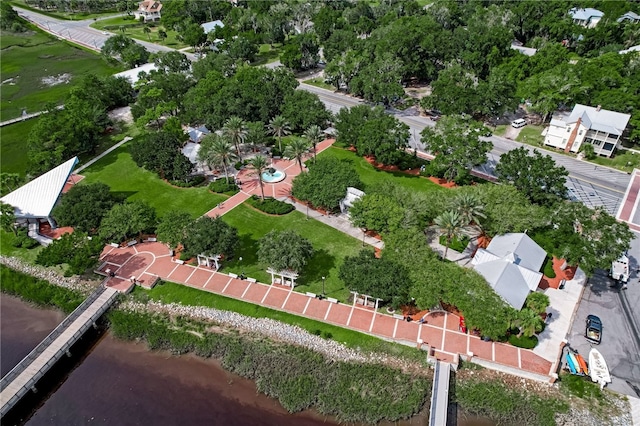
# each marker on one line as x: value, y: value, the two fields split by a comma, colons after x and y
x: 273, y: 175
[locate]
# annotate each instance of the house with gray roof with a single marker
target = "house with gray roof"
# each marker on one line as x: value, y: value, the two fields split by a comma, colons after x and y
x: 587, y: 18
x: 634, y: 18
x: 600, y: 127
x: 511, y: 265
x: 211, y: 26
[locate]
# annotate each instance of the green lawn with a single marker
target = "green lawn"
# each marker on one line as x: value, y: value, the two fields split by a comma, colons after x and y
x: 170, y: 293
x: 13, y: 146
x: 7, y: 248
x: 319, y: 82
x: 372, y: 176
x: 500, y: 130
x: 330, y: 246
x: 135, y: 30
x: 623, y: 160
x: 69, y: 16
x: 268, y: 54
x: 119, y: 171
x: 531, y: 135
x: 30, y: 57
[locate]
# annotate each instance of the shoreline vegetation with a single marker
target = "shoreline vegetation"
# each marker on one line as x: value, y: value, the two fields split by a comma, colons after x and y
x: 347, y: 383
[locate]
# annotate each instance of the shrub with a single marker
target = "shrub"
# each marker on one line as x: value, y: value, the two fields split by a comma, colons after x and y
x: 456, y: 244
x: 408, y: 161
x: 548, y: 268
x: 523, y: 341
x: 189, y: 182
x: 239, y: 164
x: 23, y: 240
x: 221, y: 186
x: 271, y: 205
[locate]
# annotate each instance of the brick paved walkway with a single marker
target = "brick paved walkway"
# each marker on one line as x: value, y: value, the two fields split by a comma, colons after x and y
x: 149, y: 261
x: 629, y: 211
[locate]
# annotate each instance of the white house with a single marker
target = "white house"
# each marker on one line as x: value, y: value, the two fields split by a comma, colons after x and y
x: 600, y: 127
x: 149, y: 10
x: 511, y: 265
x: 211, y: 26
x: 587, y: 18
x: 634, y: 18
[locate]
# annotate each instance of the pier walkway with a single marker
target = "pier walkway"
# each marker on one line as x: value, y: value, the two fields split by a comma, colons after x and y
x: 23, y: 377
x: 440, y: 394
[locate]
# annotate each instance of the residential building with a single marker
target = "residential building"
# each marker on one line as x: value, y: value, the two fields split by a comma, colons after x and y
x: 511, y: 265
x: 634, y: 18
x: 587, y: 18
x: 211, y: 26
x: 600, y: 127
x: 149, y: 10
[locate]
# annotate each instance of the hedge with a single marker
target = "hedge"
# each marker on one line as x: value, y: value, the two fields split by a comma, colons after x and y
x: 220, y: 186
x: 271, y: 205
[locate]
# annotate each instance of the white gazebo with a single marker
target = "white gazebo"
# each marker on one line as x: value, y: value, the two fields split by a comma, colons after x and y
x: 283, y: 276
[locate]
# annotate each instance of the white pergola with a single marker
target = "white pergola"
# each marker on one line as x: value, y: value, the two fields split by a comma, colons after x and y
x: 209, y: 261
x: 291, y: 275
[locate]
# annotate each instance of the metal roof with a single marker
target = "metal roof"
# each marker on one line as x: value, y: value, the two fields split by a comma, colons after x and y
x: 133, y: 73
x: 600, y: 119
x: 506, y: 279
x: 37, y: 198
x: 210, y: 26
x: 585, y: 14
x: 528, y: 254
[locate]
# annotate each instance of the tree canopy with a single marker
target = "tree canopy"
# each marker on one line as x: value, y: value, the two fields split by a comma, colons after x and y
x: 128, y: 220
x: 284, y: 250
x: 211, y: 236
x: 84, y: 206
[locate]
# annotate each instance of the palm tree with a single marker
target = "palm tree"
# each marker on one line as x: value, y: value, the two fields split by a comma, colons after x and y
x: 255, y: 134
x: 259, y: 165
x: 451, y: 225
x: 315, y: 136
x: 469, y: 208
x: 279, y: 127
x: 236, y: 130
x: 147, y: 31
x: 162, y: 34
x: 529, y: 322
x: 216, y: 149
x: 296, y: 149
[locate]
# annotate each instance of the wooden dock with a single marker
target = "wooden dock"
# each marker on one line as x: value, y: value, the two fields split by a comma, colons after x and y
x: 23, y: 377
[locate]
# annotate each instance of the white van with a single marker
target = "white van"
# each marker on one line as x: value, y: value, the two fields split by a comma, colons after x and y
x: 520, y: 122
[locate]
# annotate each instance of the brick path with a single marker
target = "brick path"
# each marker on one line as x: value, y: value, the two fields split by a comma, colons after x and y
x: 149, y: 261
x: 629, y: 211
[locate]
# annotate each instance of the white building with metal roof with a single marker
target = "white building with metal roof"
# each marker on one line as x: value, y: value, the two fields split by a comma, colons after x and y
x: 600, y: 127
x: 35, y: 199
x: 511, y: 265
x: 588, y: 17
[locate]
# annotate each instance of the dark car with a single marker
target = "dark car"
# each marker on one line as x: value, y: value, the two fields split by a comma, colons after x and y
x: 593, y: 331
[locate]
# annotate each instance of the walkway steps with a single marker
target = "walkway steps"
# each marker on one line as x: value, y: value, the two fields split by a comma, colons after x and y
x: 440, y: 394
x: 23, y: 377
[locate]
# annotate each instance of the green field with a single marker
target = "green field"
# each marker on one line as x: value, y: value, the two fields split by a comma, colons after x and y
x: 531, y: 135
x: 69, y: 16
x: 268, y: 54
x: 134, y: 29
x: 330, y: 248
x: 29, y: 59
x: 372, y: 176
x: 319, y: 82
x: 13, y: 146
x: 119, y: 171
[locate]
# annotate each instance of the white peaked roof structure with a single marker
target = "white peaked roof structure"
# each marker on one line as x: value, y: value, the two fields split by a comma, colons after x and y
x: 511, y: 265
x: 36, y: 199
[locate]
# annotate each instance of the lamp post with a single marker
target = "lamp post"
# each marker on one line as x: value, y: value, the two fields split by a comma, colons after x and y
x: 242, y: 273
x: 323, y: 286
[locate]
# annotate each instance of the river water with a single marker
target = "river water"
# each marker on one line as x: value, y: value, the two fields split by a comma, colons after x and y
x: 122, y: 383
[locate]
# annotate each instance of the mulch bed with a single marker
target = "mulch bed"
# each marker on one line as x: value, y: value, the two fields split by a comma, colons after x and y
x: 567, y: 274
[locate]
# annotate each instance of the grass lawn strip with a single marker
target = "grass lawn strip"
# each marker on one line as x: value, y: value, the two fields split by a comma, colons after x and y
x: 135, y: 29
x: 121, y: 173
x: 372, y: 176
x: 13, y: 145
x: 330, y: 248
x: 43, y: 70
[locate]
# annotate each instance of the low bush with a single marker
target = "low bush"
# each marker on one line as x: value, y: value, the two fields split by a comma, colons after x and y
x: 240, y: 164
x: 580, y: 386
x: 23, y: 240
x: 271, y: 205
x: 548, y: 268
x: 409, y: 162
x: 456, y: 244
x: 38, y: 291
x: 220, y: 186
x: 299, y: 378
x: 191, y: 182
x: 523, y: 341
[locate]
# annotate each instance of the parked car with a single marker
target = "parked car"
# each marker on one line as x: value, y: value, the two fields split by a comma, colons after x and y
x: 520, y: 122
x: 593, y: 331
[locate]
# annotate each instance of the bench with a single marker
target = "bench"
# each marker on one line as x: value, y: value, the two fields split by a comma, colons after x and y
x: 251, y: 280
x: 398, y: 316
x: 132, y: 243
x: 232, y: 275
x: 311, y: 294
x: 150, y: 240
x: 116, y: 245
x: 276, y: 281
x: 332, y: 300
x: 179, y: 261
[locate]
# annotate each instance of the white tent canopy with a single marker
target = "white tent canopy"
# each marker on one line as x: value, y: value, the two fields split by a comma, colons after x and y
x: 37, y: 198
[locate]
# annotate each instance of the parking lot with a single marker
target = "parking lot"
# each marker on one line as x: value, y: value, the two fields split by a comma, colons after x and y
x: 619, y: 311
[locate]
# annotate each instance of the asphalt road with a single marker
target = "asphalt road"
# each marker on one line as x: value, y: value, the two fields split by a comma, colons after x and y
x: 593, y: 185
x: 618, y: 310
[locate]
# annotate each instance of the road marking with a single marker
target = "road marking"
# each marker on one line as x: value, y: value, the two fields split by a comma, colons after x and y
x: 174, y: 269
x: 191, y: 274
x: 395, y: 327
x: 328, y: 310
x: 519, y: 359
x: 372, y: 321
x: 286, y: 299
x: 266, y: 294
x: 596, y: 184
x: 208, y: 279
x: 444, y: 334
x: 306, y: 306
